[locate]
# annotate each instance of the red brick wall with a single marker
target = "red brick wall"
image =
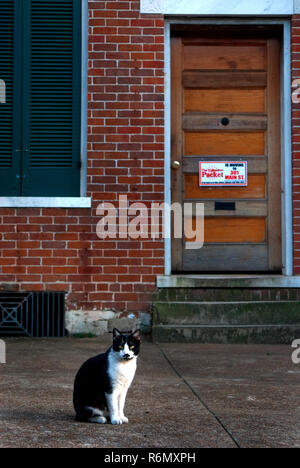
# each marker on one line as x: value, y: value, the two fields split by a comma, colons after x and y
x: 296, y: 142
x: 126, y: 143
x: 57, y: 249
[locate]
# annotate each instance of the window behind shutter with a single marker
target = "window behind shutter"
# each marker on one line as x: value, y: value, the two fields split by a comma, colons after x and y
x: 9, y: 132
x: 51, y: 166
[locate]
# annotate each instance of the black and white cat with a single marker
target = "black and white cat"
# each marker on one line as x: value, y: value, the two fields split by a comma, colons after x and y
x: 102, y: 382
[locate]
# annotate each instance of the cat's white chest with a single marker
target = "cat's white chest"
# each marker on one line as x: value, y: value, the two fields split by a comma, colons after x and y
x: 121, y: 373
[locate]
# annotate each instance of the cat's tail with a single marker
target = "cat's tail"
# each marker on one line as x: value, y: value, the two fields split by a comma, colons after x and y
x: 84, y: 413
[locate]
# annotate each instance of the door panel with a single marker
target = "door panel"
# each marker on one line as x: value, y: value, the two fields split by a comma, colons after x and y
x: 227, y: 79
x: 229, y: 229
x: 223, y: 143
x: 224, y: 57
x: 256, y: 189
x: 254, y: 258
x: 238, y: 79
x: 224, y: 100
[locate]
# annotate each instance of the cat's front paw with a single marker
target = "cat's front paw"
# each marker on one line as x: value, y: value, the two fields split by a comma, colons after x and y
x: 124, y: 420
x: 116, y: 421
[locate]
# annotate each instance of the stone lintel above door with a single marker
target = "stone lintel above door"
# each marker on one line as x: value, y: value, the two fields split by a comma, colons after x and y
x: 217, y: 7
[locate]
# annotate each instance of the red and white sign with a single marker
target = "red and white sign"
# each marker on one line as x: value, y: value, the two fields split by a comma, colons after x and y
x: 223, y: 173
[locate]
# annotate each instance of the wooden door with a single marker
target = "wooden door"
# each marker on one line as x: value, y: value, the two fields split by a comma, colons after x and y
x: 237, y: 82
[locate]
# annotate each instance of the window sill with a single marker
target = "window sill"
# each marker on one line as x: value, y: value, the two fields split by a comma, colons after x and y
x: 45, y: 202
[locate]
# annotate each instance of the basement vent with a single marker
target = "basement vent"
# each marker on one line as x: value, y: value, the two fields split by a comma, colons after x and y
x: 32, y: 314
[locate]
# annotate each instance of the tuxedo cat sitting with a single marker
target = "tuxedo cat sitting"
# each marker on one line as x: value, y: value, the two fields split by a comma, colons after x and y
x: 102, y: 382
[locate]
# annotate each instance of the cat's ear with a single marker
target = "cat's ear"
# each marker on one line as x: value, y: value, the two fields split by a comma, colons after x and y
x: 137, y: 335
x: 116, y: 333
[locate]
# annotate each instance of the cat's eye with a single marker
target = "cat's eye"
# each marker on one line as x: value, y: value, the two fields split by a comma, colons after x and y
x: 120, y: 347
x: 131, y: 347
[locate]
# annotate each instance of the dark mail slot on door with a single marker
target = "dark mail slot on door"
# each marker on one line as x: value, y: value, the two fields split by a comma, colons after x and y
x: 224, y: 206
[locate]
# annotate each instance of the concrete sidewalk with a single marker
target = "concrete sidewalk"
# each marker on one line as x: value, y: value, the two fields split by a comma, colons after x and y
x: 183, y: 396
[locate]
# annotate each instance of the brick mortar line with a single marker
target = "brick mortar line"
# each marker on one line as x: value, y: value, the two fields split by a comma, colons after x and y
x: 198, y: 397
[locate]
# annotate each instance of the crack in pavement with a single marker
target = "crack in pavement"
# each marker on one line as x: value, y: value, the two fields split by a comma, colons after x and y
x: 197, y: 396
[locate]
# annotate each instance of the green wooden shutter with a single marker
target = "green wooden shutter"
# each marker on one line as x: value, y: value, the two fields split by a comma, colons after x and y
x: 9, y: 120
x: 40, y: 62
x: 52, y: 72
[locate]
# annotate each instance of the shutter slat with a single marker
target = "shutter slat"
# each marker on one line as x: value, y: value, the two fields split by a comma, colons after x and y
x: 52, y: 48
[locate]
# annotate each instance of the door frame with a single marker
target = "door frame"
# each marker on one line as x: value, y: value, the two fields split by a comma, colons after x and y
x: 286, y: 130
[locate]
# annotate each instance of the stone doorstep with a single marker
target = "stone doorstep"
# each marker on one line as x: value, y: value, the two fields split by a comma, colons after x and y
x: 226, y: 334
x: 229, y: 313
x: 228, y: 281
x: 227, y: 309
x: 232, y: 295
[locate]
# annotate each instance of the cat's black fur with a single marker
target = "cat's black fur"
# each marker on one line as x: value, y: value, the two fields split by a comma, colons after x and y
x: 93, y: 381
x: 91, y: 384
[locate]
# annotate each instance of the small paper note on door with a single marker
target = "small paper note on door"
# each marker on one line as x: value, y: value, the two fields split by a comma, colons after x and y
x: 223, y: 173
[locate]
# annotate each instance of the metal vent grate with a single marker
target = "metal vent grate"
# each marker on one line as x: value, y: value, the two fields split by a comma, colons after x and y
x: 32, y: 314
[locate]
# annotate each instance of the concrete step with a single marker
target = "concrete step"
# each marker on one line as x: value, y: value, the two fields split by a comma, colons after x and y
x: 226, y: 313
x: 237, y: 334
x: 241, y: 281
x: 231, y: 309
x: 226, y: 294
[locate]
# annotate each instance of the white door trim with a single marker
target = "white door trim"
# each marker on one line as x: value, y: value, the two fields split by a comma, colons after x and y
x: 286, y: 130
